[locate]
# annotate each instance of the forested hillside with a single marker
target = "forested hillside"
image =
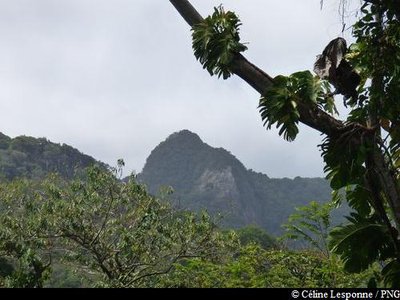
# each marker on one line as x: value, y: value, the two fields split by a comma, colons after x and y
x: 210, y: 178
x: 66, y: 231
x: 34, y: 158
x: 201, y: 176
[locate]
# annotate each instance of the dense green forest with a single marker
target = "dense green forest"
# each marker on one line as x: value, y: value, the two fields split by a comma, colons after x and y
x: 33, y: 158
x: 63, y: 225
x: 360, y: 149
x: 204, y: 177
x: 79, y: 226
x: 89, y: 228
x: 99, y: 231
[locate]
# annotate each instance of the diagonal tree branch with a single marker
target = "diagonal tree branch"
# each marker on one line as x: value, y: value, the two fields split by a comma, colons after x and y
x: 187, y: 11
x: 260, y: 81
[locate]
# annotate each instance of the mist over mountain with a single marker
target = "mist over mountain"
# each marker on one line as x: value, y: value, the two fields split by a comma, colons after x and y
x: 210, y: 178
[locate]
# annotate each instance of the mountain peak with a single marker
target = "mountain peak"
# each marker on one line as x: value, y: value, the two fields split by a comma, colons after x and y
x: 182, y: 159
x: 205, y: 177
x: 184, y: 136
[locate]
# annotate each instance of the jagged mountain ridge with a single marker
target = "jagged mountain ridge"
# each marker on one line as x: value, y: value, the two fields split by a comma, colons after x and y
x: 210, y: 178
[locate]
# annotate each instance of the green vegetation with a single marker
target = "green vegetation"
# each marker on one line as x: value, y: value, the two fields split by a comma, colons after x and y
x: 311, y: 224
x: 216, y: 40
x: 102, y: 228
x: 362, y: 152
x: 252, y: 234
x: 101, y: 232
x: 210, y: 178
x: 261, y: 262
x: 33, y: 158
x: 97, y: 230
x: 93, y: 229
x: 203, y: 178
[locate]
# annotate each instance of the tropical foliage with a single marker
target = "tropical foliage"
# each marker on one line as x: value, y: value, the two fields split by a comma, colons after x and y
x: 113, y: 233
x: 255, y: 267
x: 216, y: 41
x: 310, y: 223
x: 99, y: 231
x: 362, y: 152
x: 35, y: 158
x: 101, y: 227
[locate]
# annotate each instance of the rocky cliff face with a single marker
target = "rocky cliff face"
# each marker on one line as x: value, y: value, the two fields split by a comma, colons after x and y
x: 222, y: 182
x: 210, y: 178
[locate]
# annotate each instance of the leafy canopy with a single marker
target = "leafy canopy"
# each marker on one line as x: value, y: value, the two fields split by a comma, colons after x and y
x: 361, y: 152
x: 216, y: 41
x: 279, y: 104
x: 101, y: 227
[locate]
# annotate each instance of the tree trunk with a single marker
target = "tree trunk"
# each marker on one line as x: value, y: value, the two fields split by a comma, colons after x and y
x: 310, y: 114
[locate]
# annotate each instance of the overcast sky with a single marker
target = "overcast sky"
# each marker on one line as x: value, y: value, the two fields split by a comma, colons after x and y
x: 114, y: 78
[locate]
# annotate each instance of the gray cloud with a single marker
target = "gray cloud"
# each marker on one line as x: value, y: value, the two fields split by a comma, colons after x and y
x: 114, y: 78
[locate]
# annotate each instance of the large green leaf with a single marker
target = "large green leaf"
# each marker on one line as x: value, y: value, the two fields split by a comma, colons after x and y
x: 216, y: 40
x: 359, y: 243
x: 391, y: 274
x: 279, y: 106
x: 306, y: 86
x: 359, y: 198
